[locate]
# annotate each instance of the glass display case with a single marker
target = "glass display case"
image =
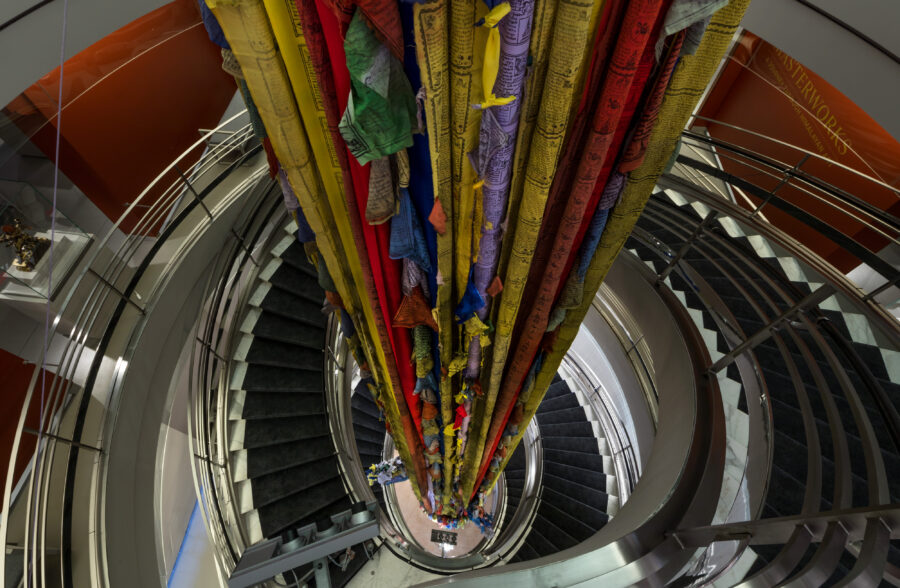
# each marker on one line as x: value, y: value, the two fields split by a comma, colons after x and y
x: 36, y: 255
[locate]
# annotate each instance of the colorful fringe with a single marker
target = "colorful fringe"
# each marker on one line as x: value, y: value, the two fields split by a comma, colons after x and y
x: 463, y: 175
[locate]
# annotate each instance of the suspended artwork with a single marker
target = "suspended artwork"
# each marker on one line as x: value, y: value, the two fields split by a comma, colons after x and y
x: 463, y: 174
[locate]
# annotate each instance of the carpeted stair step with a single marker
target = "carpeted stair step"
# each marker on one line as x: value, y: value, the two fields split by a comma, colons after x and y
x: 260, y: 405
x: 558, y: 513
x: 340, y: 578
x: 367, y: 419
x: 369, y: 448
x: 579, y: 444
x: 272, y: 458
x: 512, y: 503
x: 559, y: 538
x: 588, y: 461
x: 278, y: 354
x: 562, y: 416
x: 261, y: 378
x: 367, y: 460
x: 558, y: 403
x: 363, y: 433
x: 263, y: 432
x: 363, y: 400
x: 288, y: 305
x: 595, y: 498
x: 295, y: 257
x: 517, y: 461
x: 278, y: 328
x: 541, y: 545
x: 277, y: 485
x: 557, y: 388
x: 525, y: 553
x: 589, y: 515
x: 287, y: 277
x: 785, y: 491
x: 582, y: 429
x: 589, y: 478
x: 518, y: 475
x: 303, y: 508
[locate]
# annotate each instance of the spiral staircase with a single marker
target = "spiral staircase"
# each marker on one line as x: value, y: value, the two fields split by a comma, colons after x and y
x: 793, y: 374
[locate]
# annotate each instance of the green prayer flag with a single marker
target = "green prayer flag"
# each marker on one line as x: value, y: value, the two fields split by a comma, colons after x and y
x: 381, y: 111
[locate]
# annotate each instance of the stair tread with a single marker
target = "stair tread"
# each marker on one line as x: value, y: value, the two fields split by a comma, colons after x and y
x: 559, y: 402
x: 589, y: 478
x: 540, y: 544
x: 557, y: 388
x: 295, y: 256
x: 368, y: 447
x: 272, y: 487
x: 282, y: 379
x: 278, y: 328
x: 363, y: 419
x: 294, y: 307
x: 559, y: 538
x: 525, y: 553
x: 562, y: 416
x: 271, y: 458
x: 280, y: 405
x: 574, y: 444
x: 298, y: 282
x: 593, y: 498
x: 586, y: 461
x: 362, y: 433
x: 263, y: 432
x: 582, y: 429
x: 303, y: 508
x: 280, y: 354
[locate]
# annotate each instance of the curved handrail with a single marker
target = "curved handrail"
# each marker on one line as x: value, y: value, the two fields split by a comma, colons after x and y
x: 838, y: 200
x: 89, y: 311
x: 679, y: 225
x: 226, y: 295
x: 116, y: 289
x: 805, y: 328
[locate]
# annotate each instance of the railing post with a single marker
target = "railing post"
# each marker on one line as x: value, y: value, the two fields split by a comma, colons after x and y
x: 784, y: 180
x: 687, y: 245
x: 118, y: 292
x: 813, y: 299
x: 211, y: 350
x: 37, y: 433
x: 190, y: 188
x: 244, y: 247
x: 892, y: 282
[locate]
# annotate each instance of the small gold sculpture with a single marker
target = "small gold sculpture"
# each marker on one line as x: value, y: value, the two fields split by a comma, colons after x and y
x: 29, y: 249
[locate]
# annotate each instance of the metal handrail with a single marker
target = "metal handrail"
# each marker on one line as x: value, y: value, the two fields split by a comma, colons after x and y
x: 227, y: 293
x: 679, y: 225
x: 842, y: 202
x: 83, y: 309
x: 106, y: 287
x: 613, y: 429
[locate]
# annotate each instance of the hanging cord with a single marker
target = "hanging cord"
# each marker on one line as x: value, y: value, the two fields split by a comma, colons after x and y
x: 59, y: 98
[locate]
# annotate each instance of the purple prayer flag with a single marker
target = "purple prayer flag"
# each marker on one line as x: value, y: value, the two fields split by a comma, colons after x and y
x: 497, y: 143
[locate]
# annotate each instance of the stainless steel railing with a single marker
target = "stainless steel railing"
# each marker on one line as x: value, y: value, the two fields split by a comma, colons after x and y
x: 110, y: 291
x: 789, y: 318
x: 847, y: 417
x: 115, y: 291
x: 226, y: 296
